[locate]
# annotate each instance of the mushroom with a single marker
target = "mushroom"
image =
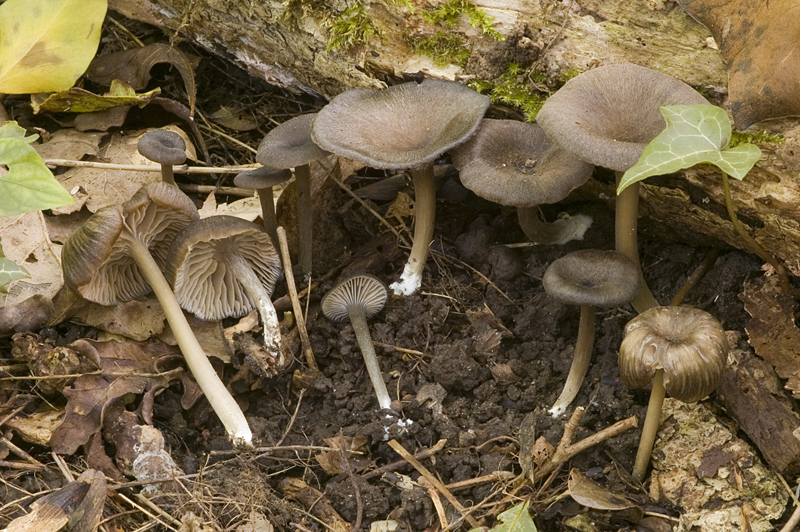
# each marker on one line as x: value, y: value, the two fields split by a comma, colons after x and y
x: 358, y: 299
x: 289, y: 145
x: 223, y: 266
x: 164, y: 147
x: 514, y: 163
x: 682, y: 351
x: 262, y: 180
x: 117, y: 255
x: 607, y: 116
x: 406, y: 126
x: 589, y: 278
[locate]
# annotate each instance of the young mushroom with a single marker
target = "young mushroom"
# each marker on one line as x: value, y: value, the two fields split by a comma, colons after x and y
x: 164, y: 147
x: 289, y: 145
x: 262, y: 180
x: 682, y: 351
x: 589, y: 278
x: 404, y: 127
x: 117, y: 255
x: 358, y: 299
x: 607, y: 116
x: 514, y: 163
x: 223, y: 266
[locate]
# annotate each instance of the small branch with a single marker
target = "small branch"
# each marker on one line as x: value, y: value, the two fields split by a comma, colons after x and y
x: 394, y: 466
x: 178, y: 169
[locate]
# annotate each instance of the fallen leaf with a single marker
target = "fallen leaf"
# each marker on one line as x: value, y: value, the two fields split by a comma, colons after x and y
x: 37, y: 427
x: 333, y: 462
x: 28, y: 315
x: 10, y: 271
x: 77, y: 100
x: 758, y: 41
x: 69, y: 143
x: 246, y: 208
x: 133, y: 67
x: 234, y: 118
x: 101, y: 120
x: 47, y: 46
x: 136, y: 320
x: 589, y: 493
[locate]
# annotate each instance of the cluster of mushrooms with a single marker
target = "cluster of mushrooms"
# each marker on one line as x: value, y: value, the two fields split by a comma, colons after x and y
x: 222, y: 266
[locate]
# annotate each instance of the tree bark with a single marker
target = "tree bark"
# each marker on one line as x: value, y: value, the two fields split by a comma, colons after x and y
x: 323, y: 48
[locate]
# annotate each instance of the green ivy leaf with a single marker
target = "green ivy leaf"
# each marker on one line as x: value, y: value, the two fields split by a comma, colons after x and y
x: 10, y: 271
x: 28, y: 185
x: 516, y: 519
x: 694, y: 134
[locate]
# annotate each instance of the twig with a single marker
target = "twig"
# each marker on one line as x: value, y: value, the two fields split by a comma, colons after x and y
x: 23, y: 466
x: 695, y: 276
x: 298, y: 310
x: 435, y: 482
x: 492, y: 477
x: 436, y: 500
x: 422, y: 455
x: 793, y: 521
x: 293, y: 418
x: 178, y: 169
x: 352, y: 477
x: 19, y: 452
x: 272, y: 450
x: 399, y: 349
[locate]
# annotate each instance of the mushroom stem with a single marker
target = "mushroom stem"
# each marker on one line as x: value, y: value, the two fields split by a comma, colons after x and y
x: 625, y: 235
x: 268, y: 216
x: 167, y: 174
x: 559, y: 232
x: 425, y: 213
x: 302, y: 178
x: 650, y: 428
x: 255, y: 290
x: 218, y: 396
x: 580, y: 361
x: 358, y: 320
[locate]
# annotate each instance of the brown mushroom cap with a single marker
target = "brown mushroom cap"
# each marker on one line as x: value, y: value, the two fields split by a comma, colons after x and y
x: 289, y: 145
x: 514, y: 163
x: 401, y: 127
x: 263, y: 177
x: 163, y: 146
x: 607, y: 115
x: 364, y: 290
x: 95, y: 258
x: 689, y: 344
x: 593, y: 277
x: 196, y: 269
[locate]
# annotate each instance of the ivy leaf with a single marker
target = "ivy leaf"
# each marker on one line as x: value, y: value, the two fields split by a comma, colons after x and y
x: 694, y: 134
x: 46, y: 46
x: 10, y: 271
x: 28, y: 185
x: 516, y: 519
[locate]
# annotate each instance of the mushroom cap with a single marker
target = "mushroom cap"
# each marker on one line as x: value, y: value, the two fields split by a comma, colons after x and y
x: 289, y: 144
x: 689, y: 344
x: 514, y: 163
x: 593, y: 277
x: 364, y: 290
x: 96, y: 258
x: 260, y: 178
x: 401, y: 127
x: 607, y: 115
x: 163, y: 146
x: 197, y: 271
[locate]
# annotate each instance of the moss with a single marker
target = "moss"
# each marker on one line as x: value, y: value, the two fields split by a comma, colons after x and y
x: 448, y: 15
x: 762, y: 137
x: 351, y: 28
x: 442, y: 47
x: 510, y: 90
x: 567, y: 74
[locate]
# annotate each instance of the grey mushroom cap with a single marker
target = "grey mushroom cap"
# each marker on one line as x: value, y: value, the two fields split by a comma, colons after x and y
x: 366, y: 291
x: 606, y: 116
x: 289, y: 145
x: 401, y: 127
x: 263, y: 177
x: 163, y: 146
x: 96, y: 258
x: 514, y: 163
x: 203, y: 284
x: 689, y: 344
x: 593, y: 277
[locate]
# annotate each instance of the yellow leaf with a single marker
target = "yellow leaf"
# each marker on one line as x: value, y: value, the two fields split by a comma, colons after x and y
x: 45, y: 45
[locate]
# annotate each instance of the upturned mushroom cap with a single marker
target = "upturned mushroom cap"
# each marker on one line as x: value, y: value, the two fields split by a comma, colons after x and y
x: 401, y: 127
x: 96, y: 259
x: 607, y: 115
x: 196, y: 270
x: 163, y: 146
x: 263, y: 177
x: 289, y: 145
x: 366, y: 291
x: 687, y: 343
x: 514, y: 163
x: 593, y: 277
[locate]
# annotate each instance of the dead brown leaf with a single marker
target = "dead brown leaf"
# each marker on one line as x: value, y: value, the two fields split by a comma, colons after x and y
x: 333, y: 462
x: 589, y: 493
x: 758, y: 41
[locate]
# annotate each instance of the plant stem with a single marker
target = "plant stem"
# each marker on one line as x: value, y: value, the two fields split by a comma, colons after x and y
x: 305, y: 216
x: 167, y: 174
x: 359, y: 322
x: 625, y: 234
x: 580, y: 361
x: 425, y: 214
x: 268, y: 217
x: 218, y: 396
x: 651, y: 422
